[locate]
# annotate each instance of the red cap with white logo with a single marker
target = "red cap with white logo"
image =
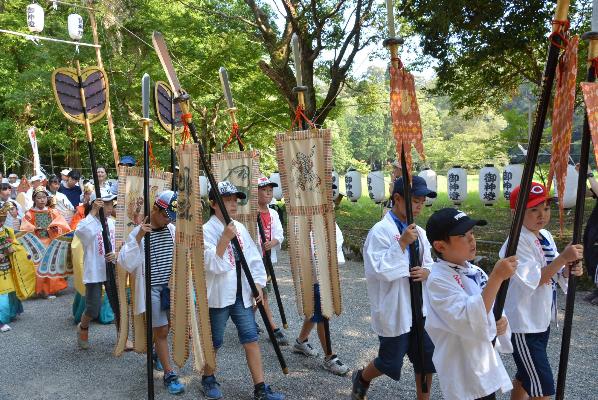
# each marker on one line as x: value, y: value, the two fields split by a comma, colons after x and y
x: 537, y: 195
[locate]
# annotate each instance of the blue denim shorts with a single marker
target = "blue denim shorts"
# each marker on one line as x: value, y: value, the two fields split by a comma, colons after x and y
x: 242, y: 317
x: 392, y: 351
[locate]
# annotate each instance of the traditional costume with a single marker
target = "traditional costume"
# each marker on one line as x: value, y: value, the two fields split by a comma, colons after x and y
x: 46, y: 224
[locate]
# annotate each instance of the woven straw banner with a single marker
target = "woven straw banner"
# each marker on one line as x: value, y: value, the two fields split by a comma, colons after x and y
x: 242, y: 169
x: 305, y: 165
x: 590, y: 95
x: 189, y: 217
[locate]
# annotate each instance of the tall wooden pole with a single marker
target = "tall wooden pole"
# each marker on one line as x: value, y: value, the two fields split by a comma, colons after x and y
x: 94, y: 31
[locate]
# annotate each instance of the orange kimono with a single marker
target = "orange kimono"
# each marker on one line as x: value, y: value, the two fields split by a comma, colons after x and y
x: 47, y: 225
x: 78, y: 216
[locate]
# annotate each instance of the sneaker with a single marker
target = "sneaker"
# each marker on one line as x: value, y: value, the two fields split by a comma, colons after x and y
x: 593, y: 294
x: 157, y: 364
x: 360, y: 390
x: 335, y: 366
x: 171, y: 382
x: 281, y: 338
x: 51, y: 297
x: 304, y: 348
x: 210, y: 388
x: 82, y: 337
x: 266, y: 393
x: 5, y: 328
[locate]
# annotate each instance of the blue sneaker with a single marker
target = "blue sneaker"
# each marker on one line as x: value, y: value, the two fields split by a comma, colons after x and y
x: 157, y: 364
x: 210, y: 388
x: 266, y: 393
x: 171, y: 381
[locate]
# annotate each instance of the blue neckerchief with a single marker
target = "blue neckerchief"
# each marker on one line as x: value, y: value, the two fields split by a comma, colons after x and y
x: 472, y: 273
x: 401, y: 226
x: 547, y: 247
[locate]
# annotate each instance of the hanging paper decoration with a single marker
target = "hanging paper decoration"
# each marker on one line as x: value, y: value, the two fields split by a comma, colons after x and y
x: 188, y: 283
x: 75, y: 26
x: 204, y: 186
x: 277, y: 191
x: 37, y: 167
x: 590, y: 96
x: 457, y: 184
x: 35, y: 18
x: 562, y: 121
x: 353, y: 184
x: 431, y: 182
x: 489, y: 184
x: 511, y: 178
x: 336, y: 183
x: 376, y: 185
x: 305, y: 162
x: 406, y: 122
x: 129, y: 214
x: 242, y: 170
x: 569, y: 197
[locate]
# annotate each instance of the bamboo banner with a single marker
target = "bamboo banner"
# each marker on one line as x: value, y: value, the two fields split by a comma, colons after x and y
x: 305, y: 165
x: 590, y: 96
x: 189, y: 303
x: 242, y: 169
x: 129, y: 214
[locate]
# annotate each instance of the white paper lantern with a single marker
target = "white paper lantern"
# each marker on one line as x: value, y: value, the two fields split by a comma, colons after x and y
x: 570, y: 187
x: 457, y: 184
x: 376, y: 186
x: 489, y: 184
x: 511, y: 178
x: 75, y: 24
x: 203, y: 186
x: 35, y: 18
x: 277, y: 191
x: 335, y: 182
x: 353, y: 184
x: 431, y: 182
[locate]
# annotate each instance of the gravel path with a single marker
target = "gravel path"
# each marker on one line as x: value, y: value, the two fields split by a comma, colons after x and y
x: 41, y: 359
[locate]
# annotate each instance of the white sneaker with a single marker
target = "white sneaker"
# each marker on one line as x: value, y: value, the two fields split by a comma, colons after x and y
x: 5, y: 328
x: 335, y: 366
x: 304, y: 348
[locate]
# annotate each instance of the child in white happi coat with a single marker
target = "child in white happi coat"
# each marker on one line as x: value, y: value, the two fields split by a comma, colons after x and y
x: 531, y: 300
x: 274, y: 234
x: 460, y: 319
x: 228, y: 291
x: 387, y: 272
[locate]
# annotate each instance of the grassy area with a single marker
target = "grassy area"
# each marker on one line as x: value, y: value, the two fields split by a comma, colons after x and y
x: 355, y: 220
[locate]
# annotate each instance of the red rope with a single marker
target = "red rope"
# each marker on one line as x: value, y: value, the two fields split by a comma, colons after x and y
x: 234, y: 135
x: 399, y: 61
x: 561, y: 33
x: 299, y: 116
x: 153, y: 162
x: 186, y: 131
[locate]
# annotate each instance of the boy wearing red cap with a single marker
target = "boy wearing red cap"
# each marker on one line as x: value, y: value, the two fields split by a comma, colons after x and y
x: 531, y: 300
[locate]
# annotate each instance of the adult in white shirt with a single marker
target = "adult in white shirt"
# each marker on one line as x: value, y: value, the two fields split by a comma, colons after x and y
x: 89, y: 232
x: 388, y: 272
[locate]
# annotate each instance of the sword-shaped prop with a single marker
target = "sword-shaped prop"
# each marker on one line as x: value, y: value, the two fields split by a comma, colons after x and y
x: 560, y: 26
x: 592, y: 38
x: 303, y: 123
x: 82, y: 97
x: 145, y: 123
x: 168, y: 113
x: 267, y: 260
x: 181, y: 98
x: 393, y: 42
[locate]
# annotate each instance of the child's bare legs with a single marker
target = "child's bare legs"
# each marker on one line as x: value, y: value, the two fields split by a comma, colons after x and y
x: 161, y: 342
x: 418, y: 385
x: 254, y: 362
x: 519, y: 393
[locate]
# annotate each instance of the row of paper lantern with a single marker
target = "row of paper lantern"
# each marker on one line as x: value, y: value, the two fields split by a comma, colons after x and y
x: 35, y: 21
x: 488, y: 187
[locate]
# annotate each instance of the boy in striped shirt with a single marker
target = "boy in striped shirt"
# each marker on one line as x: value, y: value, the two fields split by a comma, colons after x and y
x: 531, y: 300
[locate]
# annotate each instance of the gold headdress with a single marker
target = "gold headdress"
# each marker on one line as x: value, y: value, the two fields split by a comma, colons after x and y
x: 5, y: 209
x: 38, y: 190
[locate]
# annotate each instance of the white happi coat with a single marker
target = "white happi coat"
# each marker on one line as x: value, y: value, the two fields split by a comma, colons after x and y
x: 277, y: 232
x: 221, y: 273
x: 387, y: 275
x: 132, y: 258
x: 89, y: 232
x: 468, y: 366
x: 528, y: 305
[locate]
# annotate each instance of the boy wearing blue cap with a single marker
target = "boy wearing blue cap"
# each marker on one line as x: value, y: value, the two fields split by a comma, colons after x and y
x: 387, y: 272
x: 131, y: 257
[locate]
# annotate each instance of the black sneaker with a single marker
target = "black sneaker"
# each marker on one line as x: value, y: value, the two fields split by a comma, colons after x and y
x: 360, y: 390
x: 266, y: 393
x: 593, y: 294
x: 281, y: 338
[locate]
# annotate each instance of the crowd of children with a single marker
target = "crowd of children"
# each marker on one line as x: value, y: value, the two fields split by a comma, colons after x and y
x: 462, y: 340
